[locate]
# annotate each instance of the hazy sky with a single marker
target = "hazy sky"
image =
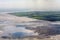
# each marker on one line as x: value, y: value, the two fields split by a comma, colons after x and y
x: 31, y: 4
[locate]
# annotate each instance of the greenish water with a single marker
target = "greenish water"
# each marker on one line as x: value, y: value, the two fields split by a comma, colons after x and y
x: 28, y: 39
x: 49, y: 16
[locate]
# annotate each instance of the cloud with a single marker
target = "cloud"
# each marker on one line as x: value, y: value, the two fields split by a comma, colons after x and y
x: 31, y: 4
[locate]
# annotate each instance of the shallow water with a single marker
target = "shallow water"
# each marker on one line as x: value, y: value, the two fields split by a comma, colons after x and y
x: 28, y: 39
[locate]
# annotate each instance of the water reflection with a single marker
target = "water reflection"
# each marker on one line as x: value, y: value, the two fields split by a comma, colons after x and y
x: 14, y: 30
x: 18, y: 30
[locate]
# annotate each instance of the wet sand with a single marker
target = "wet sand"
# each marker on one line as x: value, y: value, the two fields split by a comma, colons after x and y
x: 29, y: 39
